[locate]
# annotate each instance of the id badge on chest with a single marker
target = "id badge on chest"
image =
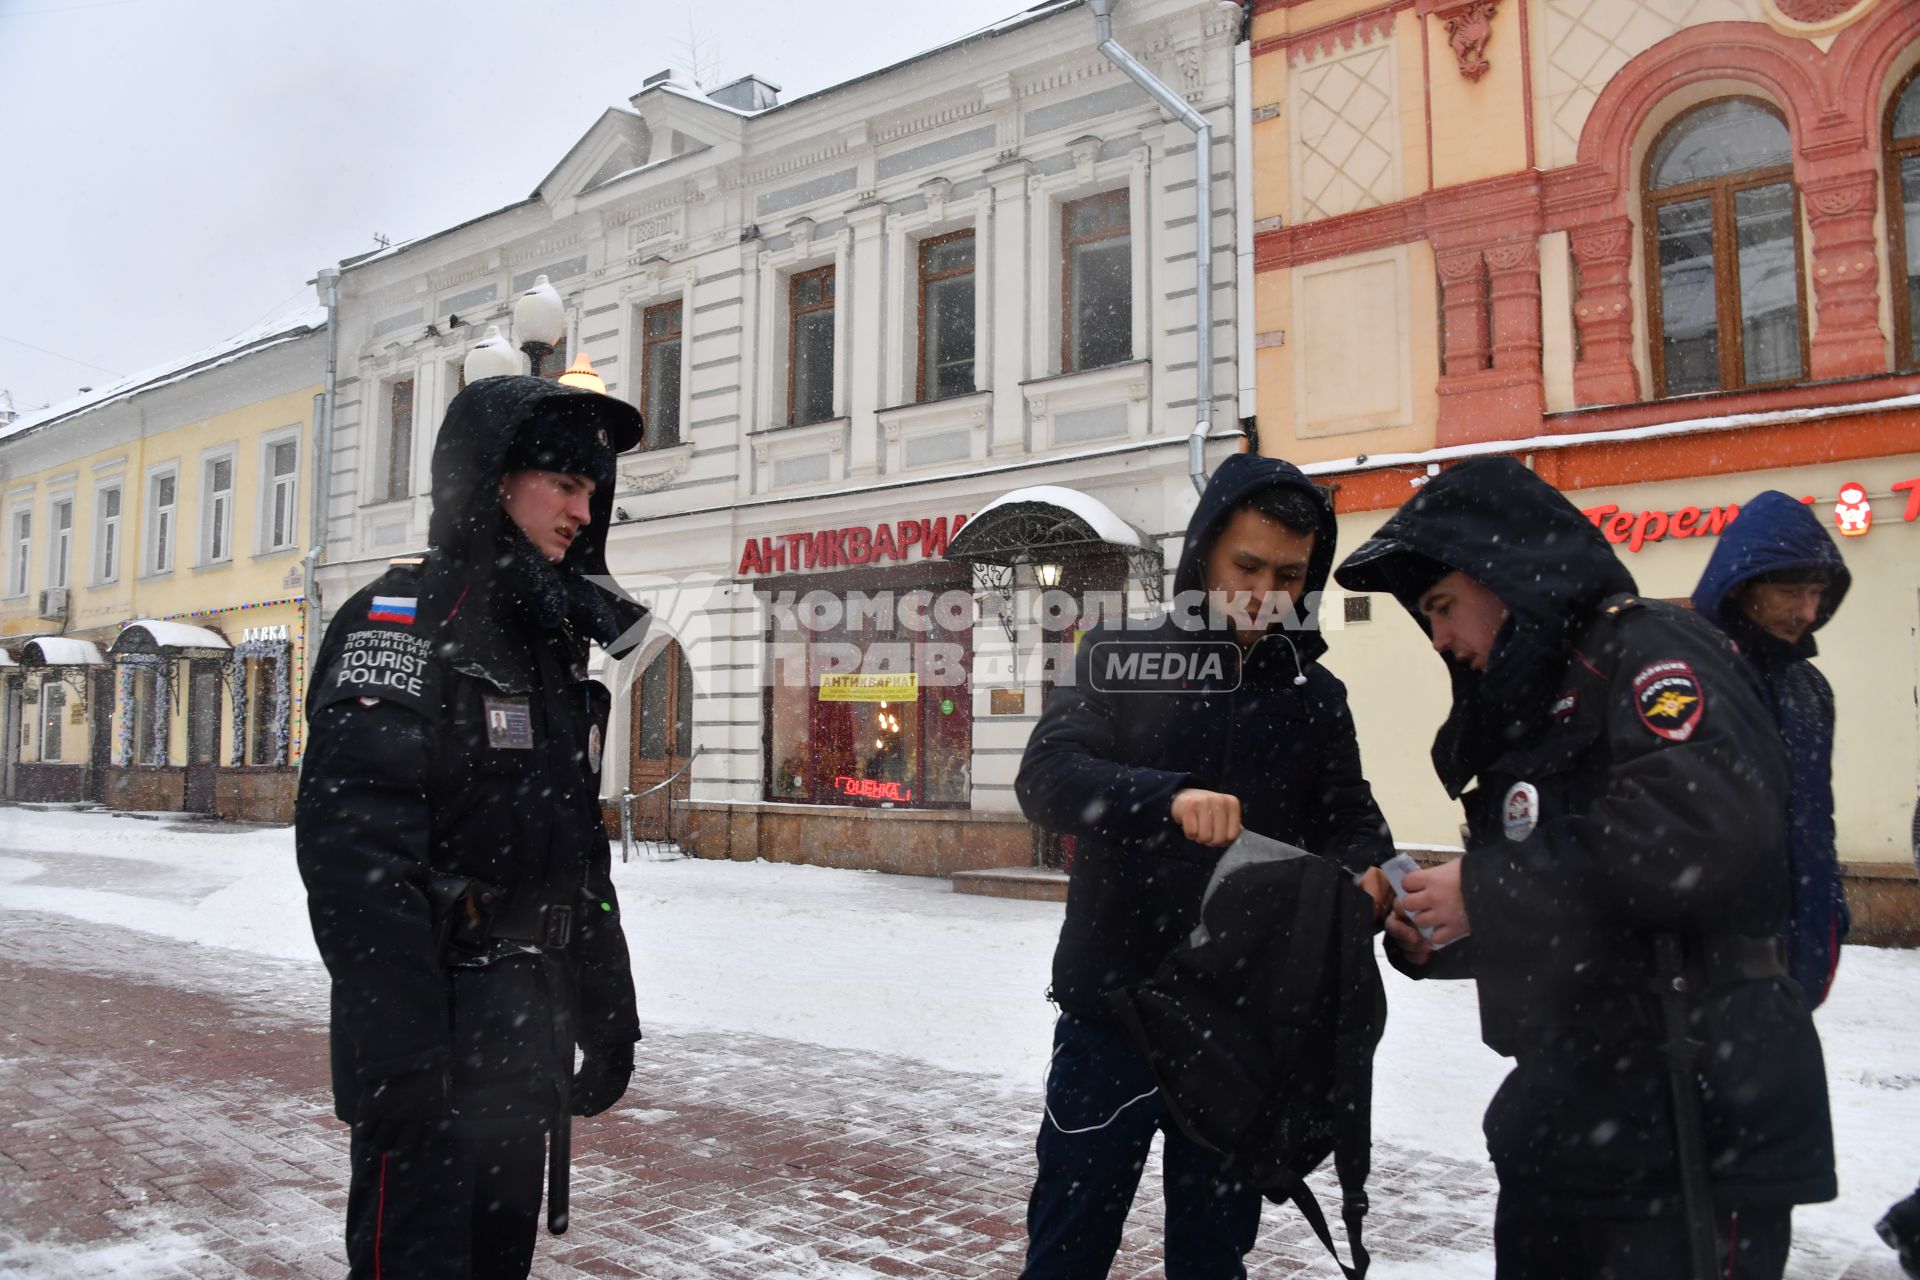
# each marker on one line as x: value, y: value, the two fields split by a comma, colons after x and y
x: 509, y: 723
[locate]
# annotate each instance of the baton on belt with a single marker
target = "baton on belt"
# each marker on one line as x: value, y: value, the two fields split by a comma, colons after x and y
x: 1689, y: 1132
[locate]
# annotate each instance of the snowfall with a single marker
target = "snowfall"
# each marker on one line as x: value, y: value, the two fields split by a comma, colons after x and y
x: 863, y: 961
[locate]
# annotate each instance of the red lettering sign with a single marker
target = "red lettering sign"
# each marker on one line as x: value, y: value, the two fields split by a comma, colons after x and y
x: 872, y: 789
x: 854, y: 544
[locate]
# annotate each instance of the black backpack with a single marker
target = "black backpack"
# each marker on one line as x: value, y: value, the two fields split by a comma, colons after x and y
x: 1261, y: 1029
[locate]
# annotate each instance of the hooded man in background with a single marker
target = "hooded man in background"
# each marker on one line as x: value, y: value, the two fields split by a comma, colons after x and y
x: 1630, y: 809
x: 1776, y: 578
x: 449, y: 834
x: 1155, y: 783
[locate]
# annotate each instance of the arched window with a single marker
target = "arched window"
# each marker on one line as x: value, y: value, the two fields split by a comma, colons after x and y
x: 1722, y: 226
x: 1903, y: 220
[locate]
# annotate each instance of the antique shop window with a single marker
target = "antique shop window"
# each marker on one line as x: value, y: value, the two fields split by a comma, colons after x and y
x: 1903, y: 219
x: 867, y: 708
x: 946, y: 316
x: 1722, y: 225
x: 1096, y: 264
x: 810, y: 346
x: 660, y: 373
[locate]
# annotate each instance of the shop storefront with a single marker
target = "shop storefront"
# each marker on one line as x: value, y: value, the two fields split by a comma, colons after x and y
x: 55, y: 697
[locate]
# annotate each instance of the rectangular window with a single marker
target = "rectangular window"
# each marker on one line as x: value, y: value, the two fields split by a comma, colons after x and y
x: 216, y: 511
x: 1907, y: 291
x: 53, y: 710
x: 282, y: 493
x: 660, y: 372
x: 22, y: 550
x: 107, y: 543
x: 832, y: 744
x: 1096, y: 264
x: 399, y: 442
x: 1689, y: 323
x: 946, y: 316
x: 810, y: 346
x: 160, y: 527
x: 60, y: 552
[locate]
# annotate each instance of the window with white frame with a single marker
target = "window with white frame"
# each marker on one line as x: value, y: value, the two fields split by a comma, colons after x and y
x: 106, y: 564
x: 216, y: 510
x: 660, y: 373
x: 60, y: 542
x: 279, y: 492
x: 1096, y: 282
x: 397, y: 483
x: 22, y: 548
x: 162, y: 517
x: 810, y: 346
x: 946, y: 316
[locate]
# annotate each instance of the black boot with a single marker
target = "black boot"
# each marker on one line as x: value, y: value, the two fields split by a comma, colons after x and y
x: 1900, y: 1228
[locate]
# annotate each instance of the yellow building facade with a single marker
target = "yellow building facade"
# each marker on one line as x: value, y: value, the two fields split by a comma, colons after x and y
x: 152, y: 602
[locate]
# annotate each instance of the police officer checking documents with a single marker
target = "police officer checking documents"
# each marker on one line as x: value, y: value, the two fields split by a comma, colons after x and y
x: 1624, y: 880
x: 449, y: 835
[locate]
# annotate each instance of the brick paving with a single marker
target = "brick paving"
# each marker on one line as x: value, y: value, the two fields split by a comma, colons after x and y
x: 163, y: 1113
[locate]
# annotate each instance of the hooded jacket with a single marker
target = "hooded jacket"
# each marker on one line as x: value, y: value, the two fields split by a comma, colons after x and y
x: 455, y: 739
x: 1628, y: 784
x: 1777, y: 535
x: 1104, y: 766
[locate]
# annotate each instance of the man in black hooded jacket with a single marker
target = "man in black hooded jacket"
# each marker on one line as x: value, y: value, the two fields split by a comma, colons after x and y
x: 1630, y: 785
x: 448, y: 830
x: 1154, y: 785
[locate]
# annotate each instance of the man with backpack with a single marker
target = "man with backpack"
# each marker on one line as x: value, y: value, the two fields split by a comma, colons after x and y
x: 1617, y: 905
x: 1155, y: 783
x: 1774, y: 580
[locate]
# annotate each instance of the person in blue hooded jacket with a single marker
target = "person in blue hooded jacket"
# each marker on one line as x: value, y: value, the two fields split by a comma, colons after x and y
x: 1774, y: 580
x: 1155, y: 784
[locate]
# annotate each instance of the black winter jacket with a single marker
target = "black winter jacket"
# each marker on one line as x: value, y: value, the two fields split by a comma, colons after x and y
x: 1104, y: 767
x: 455, y: 736
x: 1629, y: 783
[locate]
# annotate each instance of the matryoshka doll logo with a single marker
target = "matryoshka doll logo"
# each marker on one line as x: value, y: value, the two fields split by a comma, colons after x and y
x: 1852, y: 514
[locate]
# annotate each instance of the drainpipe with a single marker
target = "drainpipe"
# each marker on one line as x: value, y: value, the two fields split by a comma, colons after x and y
x: 327, y: 281
x: 1203, y: 233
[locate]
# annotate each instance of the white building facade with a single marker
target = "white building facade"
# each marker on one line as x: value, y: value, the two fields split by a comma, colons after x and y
x: 854, y: 323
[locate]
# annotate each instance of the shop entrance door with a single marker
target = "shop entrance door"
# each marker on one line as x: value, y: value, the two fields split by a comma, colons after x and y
x: 100, y: 735
x: 661, y: 740
x: 1082, y: 576
x: 203, y: 735
x: 10, y: 758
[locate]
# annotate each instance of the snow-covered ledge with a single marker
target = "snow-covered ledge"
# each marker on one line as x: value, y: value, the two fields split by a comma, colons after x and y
x: 655, y: 469
x: 1071, y: 409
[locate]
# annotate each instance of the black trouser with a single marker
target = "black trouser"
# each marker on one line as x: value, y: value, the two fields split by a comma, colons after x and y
x: 460, y: 1203
x: 1752, y: 1245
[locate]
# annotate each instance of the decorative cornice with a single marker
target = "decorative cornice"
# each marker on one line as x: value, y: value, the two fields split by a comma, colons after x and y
x: 932, y: 120
x: 1344, y: 35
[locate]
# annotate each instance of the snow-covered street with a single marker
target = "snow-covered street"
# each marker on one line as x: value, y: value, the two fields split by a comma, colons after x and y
x: 840, y: 1078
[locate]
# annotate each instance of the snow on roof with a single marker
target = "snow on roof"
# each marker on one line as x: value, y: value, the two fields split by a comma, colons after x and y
x: 65, y: 651
x: 1572, y: 439
x: 1099, y: 517
x: 283, y: 328
x: 177, y: 635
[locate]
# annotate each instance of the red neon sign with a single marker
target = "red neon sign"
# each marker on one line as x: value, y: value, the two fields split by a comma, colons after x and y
x: 872, y: 789
x: 1635, y: 529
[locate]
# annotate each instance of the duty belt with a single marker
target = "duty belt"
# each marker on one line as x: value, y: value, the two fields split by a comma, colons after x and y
x: 1722, y: 959
x: 548, y: 924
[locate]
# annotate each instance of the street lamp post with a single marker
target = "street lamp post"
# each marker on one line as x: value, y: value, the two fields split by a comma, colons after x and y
x: 539, y: 321
x: 492, y: 356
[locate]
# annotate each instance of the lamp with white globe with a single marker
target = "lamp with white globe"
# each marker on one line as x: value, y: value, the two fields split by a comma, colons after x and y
x: 491, y: 357
x: 539, y: 321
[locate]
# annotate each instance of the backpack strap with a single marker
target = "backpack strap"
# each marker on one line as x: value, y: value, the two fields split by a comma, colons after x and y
x: 1359, y: 1033
x: 1302, y: 1196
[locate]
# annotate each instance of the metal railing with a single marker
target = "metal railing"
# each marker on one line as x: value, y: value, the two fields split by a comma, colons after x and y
x: 657, y: 801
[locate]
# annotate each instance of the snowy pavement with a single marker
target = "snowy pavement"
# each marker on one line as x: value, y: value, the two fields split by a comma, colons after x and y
x: 840, y: 1079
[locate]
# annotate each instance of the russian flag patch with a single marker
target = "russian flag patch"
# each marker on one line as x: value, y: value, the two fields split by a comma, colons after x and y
x: 401, y: 609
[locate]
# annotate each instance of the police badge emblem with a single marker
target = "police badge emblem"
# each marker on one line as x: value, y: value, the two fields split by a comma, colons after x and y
x: 593, y: 748
x: 1520, y: 811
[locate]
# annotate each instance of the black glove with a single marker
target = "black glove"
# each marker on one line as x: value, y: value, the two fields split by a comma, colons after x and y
x: 602, y: 1078
x: 398, y: 1112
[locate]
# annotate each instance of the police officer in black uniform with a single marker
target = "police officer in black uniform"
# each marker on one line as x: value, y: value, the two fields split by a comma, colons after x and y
x: 450, y: 838
x: 1626, y: 850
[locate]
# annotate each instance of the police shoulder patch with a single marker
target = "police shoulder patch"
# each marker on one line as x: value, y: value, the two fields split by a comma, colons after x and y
x: 1669, y: 699
x: 383, y: 654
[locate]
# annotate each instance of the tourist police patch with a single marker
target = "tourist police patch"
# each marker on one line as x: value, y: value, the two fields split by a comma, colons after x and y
x: 386, y: 664
x: 1669, y: 699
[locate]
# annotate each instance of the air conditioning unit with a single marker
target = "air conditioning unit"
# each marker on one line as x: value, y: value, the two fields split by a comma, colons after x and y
x: 53, y: 602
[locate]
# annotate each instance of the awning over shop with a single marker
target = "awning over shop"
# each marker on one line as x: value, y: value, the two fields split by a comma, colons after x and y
x: 6, y: 659
x: 60, y: 651
x: 177, y: 639
x: 1031, y: 524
